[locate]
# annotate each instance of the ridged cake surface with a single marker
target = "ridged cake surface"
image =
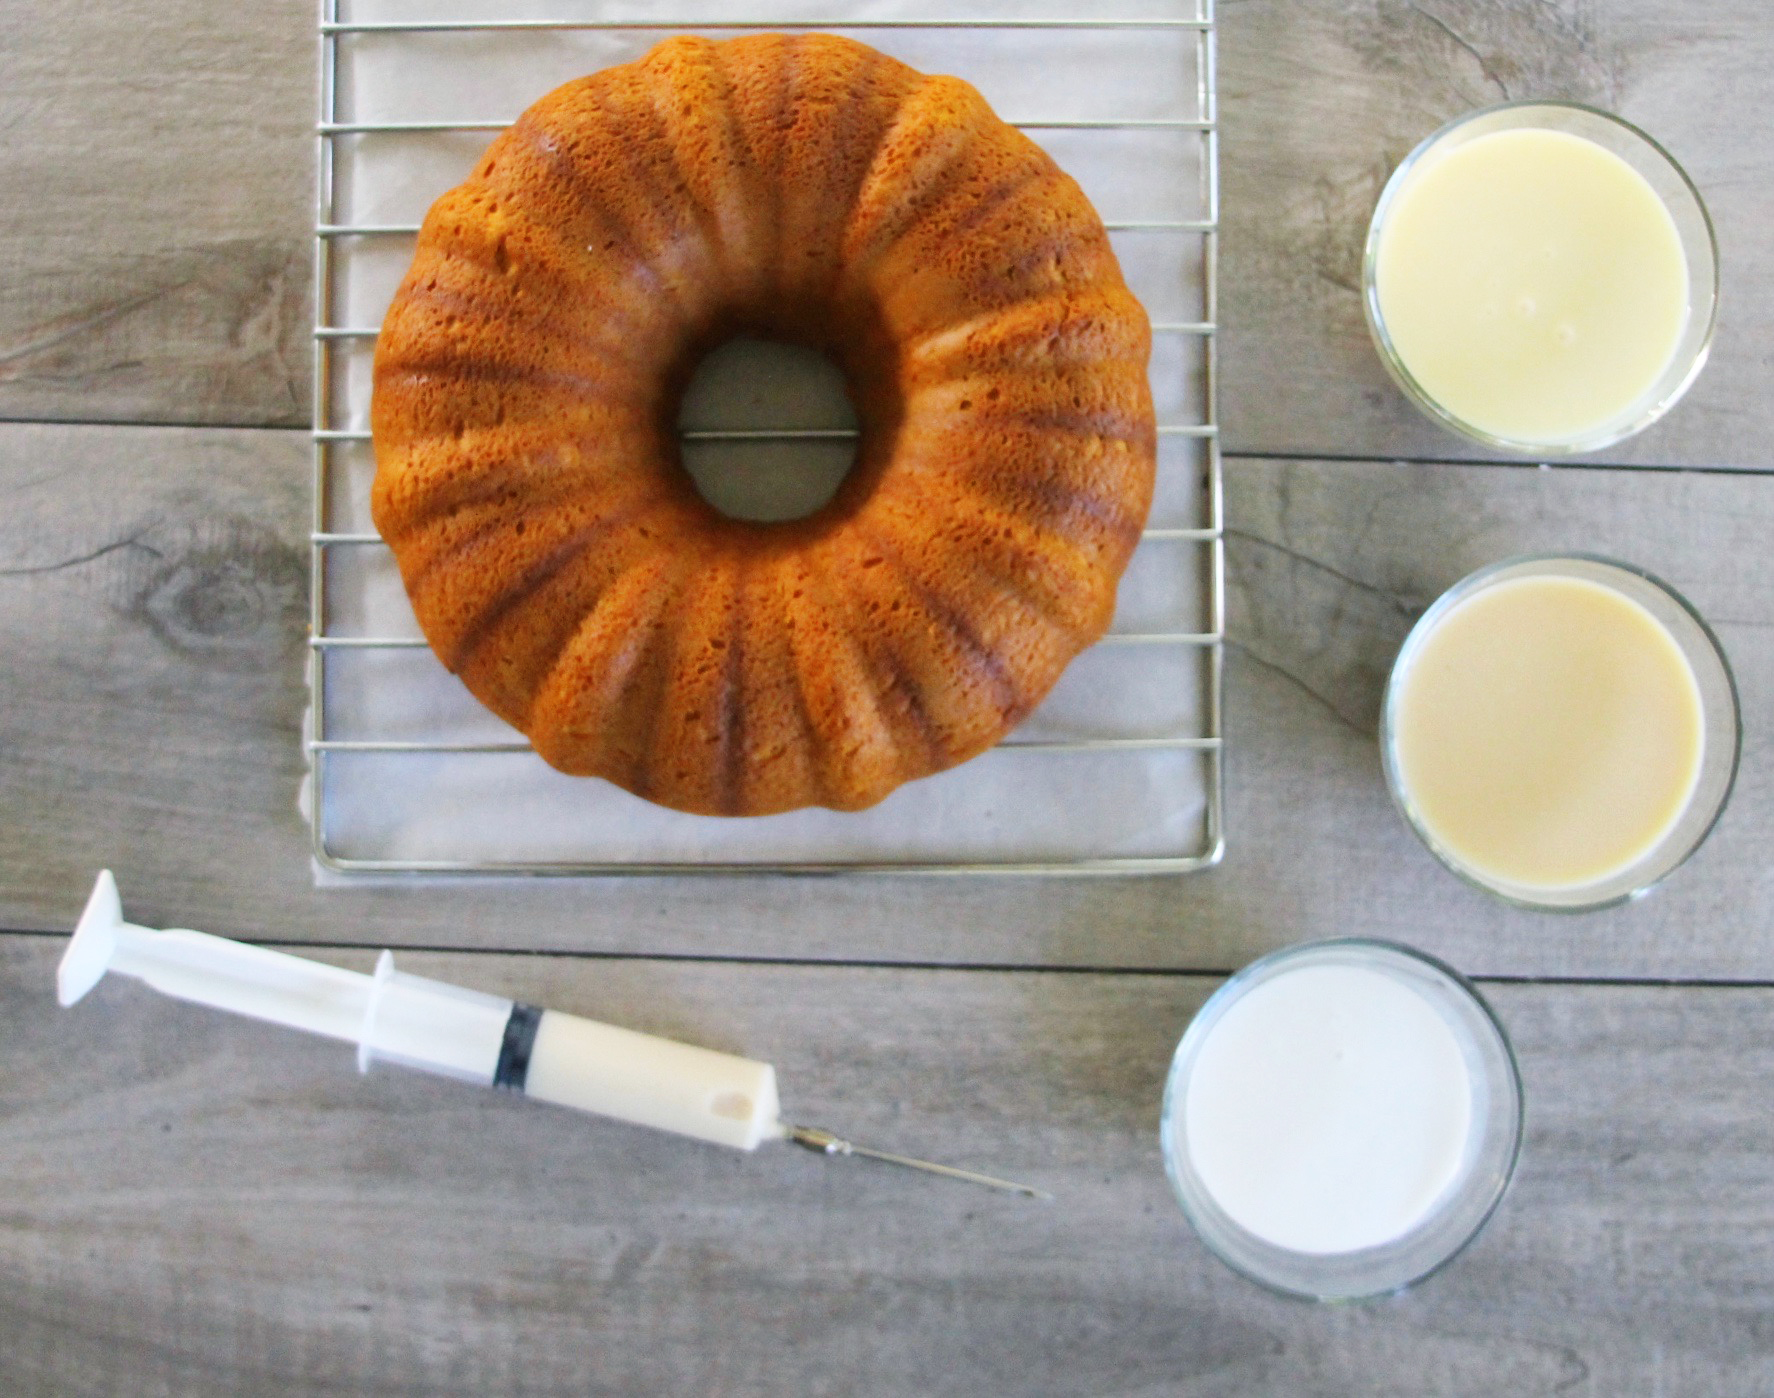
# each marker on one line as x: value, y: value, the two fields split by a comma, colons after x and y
x: 527, y: 380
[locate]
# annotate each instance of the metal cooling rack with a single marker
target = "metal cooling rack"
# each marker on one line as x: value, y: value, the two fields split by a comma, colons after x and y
x: 1210, y: 537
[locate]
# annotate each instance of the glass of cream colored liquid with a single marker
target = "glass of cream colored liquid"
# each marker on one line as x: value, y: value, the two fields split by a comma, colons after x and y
x: 1341, y: 1118
x: 1541, y: 277
x: 1561, y: 731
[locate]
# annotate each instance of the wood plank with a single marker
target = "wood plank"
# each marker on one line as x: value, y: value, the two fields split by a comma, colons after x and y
x: 199, y: 1205
x: 157, y: 252
x: 1329, y: 566
x: 1321, y: 101
x: 159, y: 164
x: 153, y: 592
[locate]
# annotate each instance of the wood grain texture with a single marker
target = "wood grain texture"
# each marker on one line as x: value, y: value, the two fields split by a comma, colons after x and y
x: 193, y: 1205
x: 155, y: 251
x: 1329, y: 566
x: 152, y: 596
x: 1321, y: 100
x: 159, y: 160
x: 198, y: 1205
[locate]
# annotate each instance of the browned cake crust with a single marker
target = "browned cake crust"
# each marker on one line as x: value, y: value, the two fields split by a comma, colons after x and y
x: 527, y: 380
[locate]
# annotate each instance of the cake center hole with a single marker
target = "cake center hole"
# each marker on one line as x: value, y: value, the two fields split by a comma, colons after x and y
x: 765, y: 386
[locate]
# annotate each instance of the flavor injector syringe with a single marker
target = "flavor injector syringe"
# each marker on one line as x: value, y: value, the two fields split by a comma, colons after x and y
x: 436, y: 1027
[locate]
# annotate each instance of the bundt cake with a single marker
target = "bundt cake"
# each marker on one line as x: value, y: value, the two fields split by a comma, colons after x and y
x: 527, y: 379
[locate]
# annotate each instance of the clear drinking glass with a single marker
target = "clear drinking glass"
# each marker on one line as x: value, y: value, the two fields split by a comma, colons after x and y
x: 1673, y: 187
x: 1464, y: 1205
x: 1721, y: 725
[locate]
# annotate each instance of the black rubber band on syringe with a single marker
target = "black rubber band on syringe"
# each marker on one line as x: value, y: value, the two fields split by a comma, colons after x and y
x: 514, y: 1049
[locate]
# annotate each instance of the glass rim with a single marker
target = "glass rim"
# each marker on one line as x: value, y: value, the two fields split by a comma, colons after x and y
x: 1469, y: 586
x: 1233, y: 988
x: 1407, y: 382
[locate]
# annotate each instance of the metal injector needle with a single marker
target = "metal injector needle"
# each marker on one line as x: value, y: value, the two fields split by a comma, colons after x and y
x: 823, y: 1142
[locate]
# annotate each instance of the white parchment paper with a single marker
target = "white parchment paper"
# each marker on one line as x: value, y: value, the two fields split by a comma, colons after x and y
x: 509, y: 808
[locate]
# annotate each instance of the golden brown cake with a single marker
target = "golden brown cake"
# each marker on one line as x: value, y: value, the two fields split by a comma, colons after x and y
x: 527, y: 380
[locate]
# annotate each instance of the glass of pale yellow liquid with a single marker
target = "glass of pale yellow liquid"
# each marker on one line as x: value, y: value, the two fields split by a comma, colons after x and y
x: 1561, y: 731
x: 1541, y: 277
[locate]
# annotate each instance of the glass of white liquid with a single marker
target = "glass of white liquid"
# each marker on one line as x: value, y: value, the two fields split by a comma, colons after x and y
x: 1561, y: 731
x: 1541, y: 277
x: 1341, y: 1118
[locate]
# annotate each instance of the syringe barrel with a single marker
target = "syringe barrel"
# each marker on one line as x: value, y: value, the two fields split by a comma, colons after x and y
x: 432, y: 1026
x: 593, y: 1067
x: 569, y: 1061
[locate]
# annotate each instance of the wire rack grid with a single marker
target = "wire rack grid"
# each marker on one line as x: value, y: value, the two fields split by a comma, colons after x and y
x: 336, y: 30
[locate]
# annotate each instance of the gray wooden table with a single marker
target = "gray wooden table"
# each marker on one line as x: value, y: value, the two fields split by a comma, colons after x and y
x: 193, y: 1205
